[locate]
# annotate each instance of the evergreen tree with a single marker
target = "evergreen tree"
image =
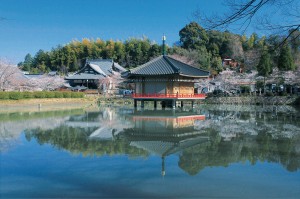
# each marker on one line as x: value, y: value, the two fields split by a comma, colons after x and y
x: 264, y: 67
x: 216, y: 64
x: 285, y: 60
x: 193, y: 36
x: 27, y: 64
x: 295, y: 43
x: 41, y: 61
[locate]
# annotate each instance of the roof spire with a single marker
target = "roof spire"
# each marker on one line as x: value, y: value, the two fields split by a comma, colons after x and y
x: 164, y: 45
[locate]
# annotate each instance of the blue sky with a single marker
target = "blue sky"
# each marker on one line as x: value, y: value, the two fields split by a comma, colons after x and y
x: 31, y: 25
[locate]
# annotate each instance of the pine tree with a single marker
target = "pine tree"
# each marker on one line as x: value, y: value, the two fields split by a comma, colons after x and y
x: 264, y: 67
x: 285, y: 60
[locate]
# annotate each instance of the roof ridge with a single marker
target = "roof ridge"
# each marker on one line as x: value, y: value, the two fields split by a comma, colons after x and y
x: 98, y: 69
x: 188, y: 64
x: 82, y: 69
x: 99, y: 60
x: 171, y: 64
x: 146, y: 64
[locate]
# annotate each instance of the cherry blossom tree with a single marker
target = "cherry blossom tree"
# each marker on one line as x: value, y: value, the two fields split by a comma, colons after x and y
x: 12, y: 79
x: 43, y: 83
x: 10, y: 76
x: 109, y: 84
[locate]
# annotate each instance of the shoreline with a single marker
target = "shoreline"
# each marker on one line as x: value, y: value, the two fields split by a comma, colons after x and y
x: 33, y: 105
x: 48, y: 104
x: 253, y: 100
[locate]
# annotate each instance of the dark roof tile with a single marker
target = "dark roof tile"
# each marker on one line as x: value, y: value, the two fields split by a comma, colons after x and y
x: 165, y: 65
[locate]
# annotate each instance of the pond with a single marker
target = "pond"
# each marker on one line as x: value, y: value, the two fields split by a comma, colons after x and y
x: 121, y: 152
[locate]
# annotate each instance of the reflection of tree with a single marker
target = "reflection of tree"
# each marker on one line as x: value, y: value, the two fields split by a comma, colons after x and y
x: 263, y: 147
x: 13, y: 124
x: 253, y: 137
x: 76, y: 141
x: 278, y: 150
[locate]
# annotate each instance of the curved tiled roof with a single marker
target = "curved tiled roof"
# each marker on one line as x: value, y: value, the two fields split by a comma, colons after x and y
x: 100, y: 68
x: 165, y: 65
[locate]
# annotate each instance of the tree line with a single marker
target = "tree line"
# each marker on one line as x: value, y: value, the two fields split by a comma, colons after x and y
x: 72, y: 56
x: 198, y: 46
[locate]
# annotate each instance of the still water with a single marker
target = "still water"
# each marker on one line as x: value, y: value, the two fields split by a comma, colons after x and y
x: 207, y: 152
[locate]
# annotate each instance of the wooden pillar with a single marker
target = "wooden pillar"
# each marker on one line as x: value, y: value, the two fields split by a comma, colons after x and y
x: 163, y: 104
x: 155, y: 104
x: 142, y: 104
x: 173, y: 104
x: 135, y: 103
x: 163, y: 171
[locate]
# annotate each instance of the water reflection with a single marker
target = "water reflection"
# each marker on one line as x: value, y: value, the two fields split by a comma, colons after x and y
x: 206, y: 137
x: 13, y: 124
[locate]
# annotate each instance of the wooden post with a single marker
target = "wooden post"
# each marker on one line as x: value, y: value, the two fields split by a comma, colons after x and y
x: 155, y: 104
x: 142, y: 104
x: 135, y: 103
x: 181, y: 104
x: 173, y: 104
x: 163, y: 104
x: 163, y: 171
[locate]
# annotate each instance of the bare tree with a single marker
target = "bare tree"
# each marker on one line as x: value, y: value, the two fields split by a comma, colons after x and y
x: 274, y: 15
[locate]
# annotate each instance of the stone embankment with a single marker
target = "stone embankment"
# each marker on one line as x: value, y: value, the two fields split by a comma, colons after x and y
x: 250, y: 100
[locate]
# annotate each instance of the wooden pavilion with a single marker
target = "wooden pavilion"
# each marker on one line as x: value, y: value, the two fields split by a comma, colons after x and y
x: 167, y: 80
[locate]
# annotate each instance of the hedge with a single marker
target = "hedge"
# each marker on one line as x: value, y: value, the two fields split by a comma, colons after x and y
x: 14, y: 95
x: 4, y: 95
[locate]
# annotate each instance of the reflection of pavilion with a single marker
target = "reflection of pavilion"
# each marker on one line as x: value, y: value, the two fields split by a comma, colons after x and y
x: 166, y: 133
x: 102, y: 124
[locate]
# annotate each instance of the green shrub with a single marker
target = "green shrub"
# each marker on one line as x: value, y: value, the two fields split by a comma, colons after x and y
x: 284, y: 93
x: 39, y: 94
x: 49, y: 94
x: 269, y: 93
x: 58, y: 94
x: 245, y: 89
x: 67, y: 94
x: 4, y: 95
x: 15, y: 95
x: 77, y: 95
x: 297, y: 101
x: 27, y: 95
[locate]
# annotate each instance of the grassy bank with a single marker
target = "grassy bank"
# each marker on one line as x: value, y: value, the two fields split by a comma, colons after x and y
x: 14, y: 95
x: 33, y: 105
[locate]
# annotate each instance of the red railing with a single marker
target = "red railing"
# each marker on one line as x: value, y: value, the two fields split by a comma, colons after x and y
x: 172, y: 96
x: 177, y: 119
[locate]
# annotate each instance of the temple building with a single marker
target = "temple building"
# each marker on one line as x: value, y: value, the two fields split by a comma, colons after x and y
x: 167, y: 80
x: 93, y: 72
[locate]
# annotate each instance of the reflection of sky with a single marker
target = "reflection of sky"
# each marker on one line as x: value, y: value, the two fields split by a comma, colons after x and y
x: 44, y: 171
